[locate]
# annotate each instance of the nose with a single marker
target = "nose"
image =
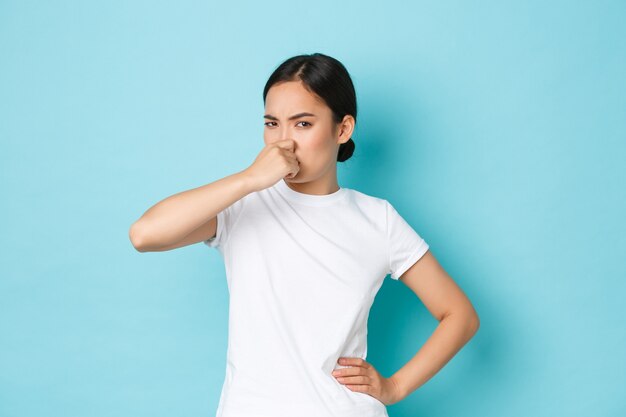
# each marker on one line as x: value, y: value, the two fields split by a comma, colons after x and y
x: 285, y: 133
x: 280, y: 134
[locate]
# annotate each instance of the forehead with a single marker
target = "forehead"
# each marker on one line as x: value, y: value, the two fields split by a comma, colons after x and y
x: 286, y: 96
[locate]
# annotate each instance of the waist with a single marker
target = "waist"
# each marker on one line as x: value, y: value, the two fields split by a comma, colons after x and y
x: 302, y: 394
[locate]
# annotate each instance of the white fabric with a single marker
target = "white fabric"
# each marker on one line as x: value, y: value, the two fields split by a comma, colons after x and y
x: 302, y: 273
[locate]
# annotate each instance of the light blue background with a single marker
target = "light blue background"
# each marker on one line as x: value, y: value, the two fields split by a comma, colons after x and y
x: 497, y: 129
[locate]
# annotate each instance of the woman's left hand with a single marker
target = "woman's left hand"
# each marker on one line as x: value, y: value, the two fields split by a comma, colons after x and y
x: 361, y: 376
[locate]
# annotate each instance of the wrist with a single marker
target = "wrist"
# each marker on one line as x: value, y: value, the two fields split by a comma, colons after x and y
x: 399, y: 389
x: 246, y: 181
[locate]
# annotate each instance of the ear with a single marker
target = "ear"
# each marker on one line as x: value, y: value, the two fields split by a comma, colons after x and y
x: 346, y: 127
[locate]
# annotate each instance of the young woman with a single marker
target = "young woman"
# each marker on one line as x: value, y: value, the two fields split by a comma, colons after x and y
x: 304, y: 259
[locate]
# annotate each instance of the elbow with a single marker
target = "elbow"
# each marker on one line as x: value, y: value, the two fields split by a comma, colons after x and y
x: 137, y: 237
x: 472, y: 320
x: 474, y: 323
x: 468, y: 320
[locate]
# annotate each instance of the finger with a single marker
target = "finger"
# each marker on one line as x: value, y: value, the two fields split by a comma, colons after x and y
x: 360, y: 388
x: 288, y: 144
x: 350, y: 371
x: 295, y: 166
x: 293, y: 172
x: 291, y: 175
x: 359, y: 379
x: 291, y: 157
x: 352, y: 361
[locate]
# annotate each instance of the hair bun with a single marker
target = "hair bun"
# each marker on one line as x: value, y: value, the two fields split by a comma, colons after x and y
x: 345, y: 150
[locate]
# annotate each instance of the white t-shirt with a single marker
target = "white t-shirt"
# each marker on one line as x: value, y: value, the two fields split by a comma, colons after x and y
x: 302, y: 273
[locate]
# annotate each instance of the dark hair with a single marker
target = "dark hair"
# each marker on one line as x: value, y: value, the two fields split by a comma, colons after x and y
x: 327, y: 78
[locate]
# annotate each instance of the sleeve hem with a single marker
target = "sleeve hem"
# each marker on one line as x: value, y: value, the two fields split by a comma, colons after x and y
x: 417, y: 254
x: 388, y: 254
x: 217, y: 239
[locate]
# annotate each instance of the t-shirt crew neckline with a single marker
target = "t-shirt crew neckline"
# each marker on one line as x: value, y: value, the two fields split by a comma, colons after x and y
x: 309, y: 199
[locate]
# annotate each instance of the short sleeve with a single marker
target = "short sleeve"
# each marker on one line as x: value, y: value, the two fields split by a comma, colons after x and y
x: 405, y: 246
x: 226, y: 219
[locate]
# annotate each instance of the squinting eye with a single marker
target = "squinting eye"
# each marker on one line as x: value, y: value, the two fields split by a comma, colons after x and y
x: 268, y: 124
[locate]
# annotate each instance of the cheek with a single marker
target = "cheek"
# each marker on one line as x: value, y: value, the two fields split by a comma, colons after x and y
x: 308, y: 148
x: 315, y: 153
x: 319, y: 143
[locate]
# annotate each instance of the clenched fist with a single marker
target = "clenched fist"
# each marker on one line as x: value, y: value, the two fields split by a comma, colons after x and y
x: 275, y: 161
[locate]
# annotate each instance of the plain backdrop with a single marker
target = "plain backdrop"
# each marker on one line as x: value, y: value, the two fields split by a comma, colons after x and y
x: 497, y: 129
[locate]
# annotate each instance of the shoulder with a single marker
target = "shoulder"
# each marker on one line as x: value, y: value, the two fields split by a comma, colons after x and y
x: 374, y: 207
x: 371, y: 204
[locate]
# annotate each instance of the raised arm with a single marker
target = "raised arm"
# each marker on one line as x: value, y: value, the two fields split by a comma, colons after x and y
x: 190, y: 216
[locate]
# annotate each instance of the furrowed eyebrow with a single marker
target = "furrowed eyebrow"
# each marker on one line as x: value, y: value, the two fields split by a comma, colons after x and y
x: 295, y: 116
